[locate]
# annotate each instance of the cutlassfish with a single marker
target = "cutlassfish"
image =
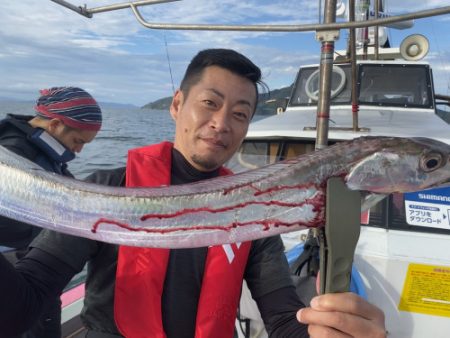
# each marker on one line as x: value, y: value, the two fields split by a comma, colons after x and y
x: 278, y: 198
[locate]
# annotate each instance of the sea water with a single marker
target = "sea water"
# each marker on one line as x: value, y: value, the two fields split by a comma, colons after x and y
x: 123, y: 128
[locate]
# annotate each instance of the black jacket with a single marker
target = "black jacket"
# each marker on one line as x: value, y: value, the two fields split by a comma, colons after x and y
x: 15, y: 135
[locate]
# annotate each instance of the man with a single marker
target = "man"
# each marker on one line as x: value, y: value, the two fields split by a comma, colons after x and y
x: 67, y: 118
x: 157, y: 293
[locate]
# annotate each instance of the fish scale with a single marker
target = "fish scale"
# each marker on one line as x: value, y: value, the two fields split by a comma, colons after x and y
x: 278, y: 198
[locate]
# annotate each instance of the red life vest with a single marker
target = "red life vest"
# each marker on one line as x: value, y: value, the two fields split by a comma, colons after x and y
x: 141, y: 271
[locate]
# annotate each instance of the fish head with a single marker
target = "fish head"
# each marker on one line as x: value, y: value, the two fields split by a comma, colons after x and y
x: 399, y: 165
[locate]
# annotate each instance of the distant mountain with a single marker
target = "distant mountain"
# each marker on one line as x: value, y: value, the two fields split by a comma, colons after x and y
x: 106, y: 105
x: 267, y: 102
x: 161, y: 104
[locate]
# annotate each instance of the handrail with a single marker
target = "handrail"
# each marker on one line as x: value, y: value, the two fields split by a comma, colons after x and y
x: 128, y: 4
x: 293, y: 28
x: 256, y: 28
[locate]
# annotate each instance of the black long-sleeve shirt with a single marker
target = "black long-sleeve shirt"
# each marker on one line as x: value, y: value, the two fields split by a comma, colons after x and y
x: 55, y: 258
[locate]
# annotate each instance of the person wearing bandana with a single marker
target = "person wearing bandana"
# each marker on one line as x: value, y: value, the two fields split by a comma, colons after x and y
x: 66, y: 119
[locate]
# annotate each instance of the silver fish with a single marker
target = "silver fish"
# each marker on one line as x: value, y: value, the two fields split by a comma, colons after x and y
x: 283, y: 197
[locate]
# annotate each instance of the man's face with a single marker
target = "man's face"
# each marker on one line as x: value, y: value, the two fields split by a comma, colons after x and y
x: 73, y: 139
x: 212, y: 121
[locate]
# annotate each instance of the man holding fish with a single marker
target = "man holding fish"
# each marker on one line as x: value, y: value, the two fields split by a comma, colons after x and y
x: 152, y: 292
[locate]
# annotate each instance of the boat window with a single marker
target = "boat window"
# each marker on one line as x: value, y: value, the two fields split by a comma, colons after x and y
x: 395, y: 85
x: 306, y: 88
x: 292, y: 149
x: 254, y: 154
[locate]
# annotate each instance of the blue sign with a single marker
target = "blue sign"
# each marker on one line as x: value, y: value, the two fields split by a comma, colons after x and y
x: 438, y: 196
x: 428, y: 208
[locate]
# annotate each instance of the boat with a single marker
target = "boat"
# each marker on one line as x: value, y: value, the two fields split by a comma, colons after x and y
x: 401, y: 258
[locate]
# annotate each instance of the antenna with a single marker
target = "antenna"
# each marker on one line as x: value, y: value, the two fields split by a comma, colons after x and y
x: 168, y: 61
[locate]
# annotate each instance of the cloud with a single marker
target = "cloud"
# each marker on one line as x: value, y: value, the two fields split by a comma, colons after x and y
x: 118, y: 60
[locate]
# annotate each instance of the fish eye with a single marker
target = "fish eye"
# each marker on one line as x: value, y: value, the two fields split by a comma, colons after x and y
x: 430, y: 162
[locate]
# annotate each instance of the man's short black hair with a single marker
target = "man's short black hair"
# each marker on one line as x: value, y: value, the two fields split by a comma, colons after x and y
x: 224, y: 58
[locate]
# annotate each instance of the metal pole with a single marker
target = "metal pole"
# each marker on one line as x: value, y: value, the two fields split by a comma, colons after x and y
x: 127, y: 5
x: 352, y: 43
x: 322, y: 27
x: 252, y: 28
x: 80, y: 10
x: 320, y: 11
x: 326, y: 68
x: 375, y: 39
x: 366, y: 4
x: 89, y: 12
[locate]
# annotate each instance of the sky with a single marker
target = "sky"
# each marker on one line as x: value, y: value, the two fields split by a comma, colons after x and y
x: 118, y: 60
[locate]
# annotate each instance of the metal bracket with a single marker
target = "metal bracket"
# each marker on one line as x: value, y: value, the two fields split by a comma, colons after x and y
x: 339, y: 237
x: 328, y: 36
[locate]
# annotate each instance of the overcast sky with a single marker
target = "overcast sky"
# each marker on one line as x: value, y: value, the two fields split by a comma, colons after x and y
x: 118, y: 60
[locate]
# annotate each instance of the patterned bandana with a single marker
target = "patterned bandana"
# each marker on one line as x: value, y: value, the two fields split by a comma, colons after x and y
x: 73, y: 106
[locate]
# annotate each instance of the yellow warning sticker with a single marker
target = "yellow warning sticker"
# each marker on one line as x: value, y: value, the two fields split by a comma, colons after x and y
x: 426, y: 290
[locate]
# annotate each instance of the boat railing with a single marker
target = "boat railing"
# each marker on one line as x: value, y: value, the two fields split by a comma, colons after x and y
x: 319, y: 27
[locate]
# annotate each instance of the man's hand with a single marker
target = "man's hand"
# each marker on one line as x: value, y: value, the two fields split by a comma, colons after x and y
x: 338, y: 315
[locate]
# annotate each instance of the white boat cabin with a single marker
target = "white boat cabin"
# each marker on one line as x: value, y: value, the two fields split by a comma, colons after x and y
x: 402, y: 253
